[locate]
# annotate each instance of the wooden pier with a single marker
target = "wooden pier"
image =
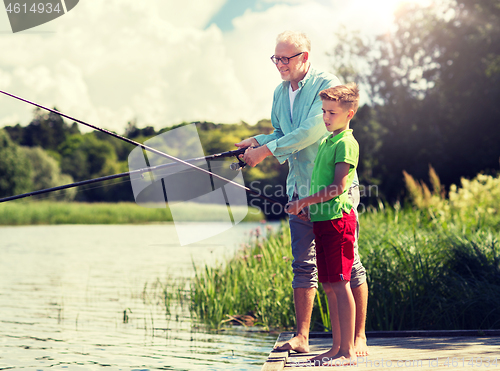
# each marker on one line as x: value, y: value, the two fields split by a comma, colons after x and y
x: 422, y: 350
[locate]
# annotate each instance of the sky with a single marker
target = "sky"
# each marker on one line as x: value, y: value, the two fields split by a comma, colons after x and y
x: 163, y: 62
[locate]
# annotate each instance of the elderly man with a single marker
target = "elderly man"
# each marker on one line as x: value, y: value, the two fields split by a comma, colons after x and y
x: 298, y: 128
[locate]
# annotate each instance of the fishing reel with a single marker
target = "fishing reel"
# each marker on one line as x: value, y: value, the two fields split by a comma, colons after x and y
x: 237, y: 165
x: 240, y: 164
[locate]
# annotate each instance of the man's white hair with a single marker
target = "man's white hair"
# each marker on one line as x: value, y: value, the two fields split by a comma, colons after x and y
x: 298, y: 39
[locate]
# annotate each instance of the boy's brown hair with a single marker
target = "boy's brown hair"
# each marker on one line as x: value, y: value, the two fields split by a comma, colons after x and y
x: 347, y: 95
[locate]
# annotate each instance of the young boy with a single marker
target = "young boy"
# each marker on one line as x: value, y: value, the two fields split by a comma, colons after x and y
x: 334, y: 221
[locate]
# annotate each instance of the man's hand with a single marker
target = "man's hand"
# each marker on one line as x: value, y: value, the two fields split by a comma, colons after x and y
x: 254, y: 156
x: 250, y: 142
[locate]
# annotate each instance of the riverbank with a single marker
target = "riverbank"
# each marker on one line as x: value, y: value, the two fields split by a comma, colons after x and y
x: 423, y: 274
x: 49, y: 212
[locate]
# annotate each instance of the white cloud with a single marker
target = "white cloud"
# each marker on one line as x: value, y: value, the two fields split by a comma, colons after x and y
x: 9, y: 120
x: 110, y: 62
x: 5, y: 79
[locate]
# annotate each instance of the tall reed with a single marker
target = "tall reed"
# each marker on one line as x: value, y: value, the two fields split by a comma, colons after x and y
x: 424, y: 276
x: 253, y: 283
x: 421, y: 275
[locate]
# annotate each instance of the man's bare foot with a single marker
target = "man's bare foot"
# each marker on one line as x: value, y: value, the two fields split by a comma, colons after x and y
x: 299, y: 343
x: 360, y: 346
x: 333, y: 358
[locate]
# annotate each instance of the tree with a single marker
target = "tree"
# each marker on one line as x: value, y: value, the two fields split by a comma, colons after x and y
x: 46, y: 173
x: 133, y: 131
x: 15, y: 169
x: 87, y: 157
x: 47, y: 130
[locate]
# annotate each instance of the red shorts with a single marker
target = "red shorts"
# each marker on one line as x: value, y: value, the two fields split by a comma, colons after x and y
x: 335, y: 247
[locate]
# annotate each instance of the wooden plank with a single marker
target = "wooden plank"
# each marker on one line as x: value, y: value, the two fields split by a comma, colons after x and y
x: 424, y: 353
x: 277, y: 360
x: 432, y: 333
x: 417, y: 333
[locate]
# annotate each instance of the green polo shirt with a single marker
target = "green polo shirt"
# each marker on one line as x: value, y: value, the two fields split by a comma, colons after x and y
x: 333, y: 149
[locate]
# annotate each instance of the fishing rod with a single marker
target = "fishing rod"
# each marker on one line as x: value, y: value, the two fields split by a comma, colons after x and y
x: 144, y: 147
x: 130, y: 173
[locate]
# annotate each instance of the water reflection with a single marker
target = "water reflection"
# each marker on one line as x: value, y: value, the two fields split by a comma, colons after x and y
x: 83, y: 298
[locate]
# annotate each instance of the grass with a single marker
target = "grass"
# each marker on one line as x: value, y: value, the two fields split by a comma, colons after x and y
x: 431, y: 265
x: 424, y: 276
x: 255, y: 282
x: 420, y: 276
x: 49, y: 212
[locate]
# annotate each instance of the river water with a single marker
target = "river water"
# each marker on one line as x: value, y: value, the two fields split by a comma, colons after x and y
x: 83, y: 298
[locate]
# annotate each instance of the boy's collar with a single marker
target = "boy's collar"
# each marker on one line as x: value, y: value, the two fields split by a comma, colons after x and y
x: 339, y: 135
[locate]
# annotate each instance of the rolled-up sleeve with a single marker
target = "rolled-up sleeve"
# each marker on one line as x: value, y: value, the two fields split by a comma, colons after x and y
x: 270, y: 139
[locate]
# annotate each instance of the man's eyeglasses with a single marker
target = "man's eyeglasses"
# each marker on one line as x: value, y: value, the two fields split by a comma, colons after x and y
x: 284, y: 60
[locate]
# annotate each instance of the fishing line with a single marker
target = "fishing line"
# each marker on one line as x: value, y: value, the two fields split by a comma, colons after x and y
x: 114, y: 182
x: 80, y: 189
x: 90, y: 181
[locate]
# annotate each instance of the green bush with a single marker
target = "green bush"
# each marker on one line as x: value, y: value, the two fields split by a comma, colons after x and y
x: 474, y: 205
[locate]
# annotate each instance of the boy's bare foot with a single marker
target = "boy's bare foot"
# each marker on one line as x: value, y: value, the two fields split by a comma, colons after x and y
x: 333, y: 358
x: 360, y: 346
x: 298, y: 343
x: 330, y: 354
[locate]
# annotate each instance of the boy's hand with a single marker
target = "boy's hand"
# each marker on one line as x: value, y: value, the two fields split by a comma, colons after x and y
x: 293, y: 207
x: 304, y: 214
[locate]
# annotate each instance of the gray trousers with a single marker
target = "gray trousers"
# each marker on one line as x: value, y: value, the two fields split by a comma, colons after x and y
x: 305, y: 273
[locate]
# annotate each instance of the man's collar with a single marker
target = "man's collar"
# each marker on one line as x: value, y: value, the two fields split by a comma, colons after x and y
x: 306, y: 77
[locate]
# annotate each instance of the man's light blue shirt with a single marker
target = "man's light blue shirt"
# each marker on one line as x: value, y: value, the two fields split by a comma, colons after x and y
x: 297, y: 141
